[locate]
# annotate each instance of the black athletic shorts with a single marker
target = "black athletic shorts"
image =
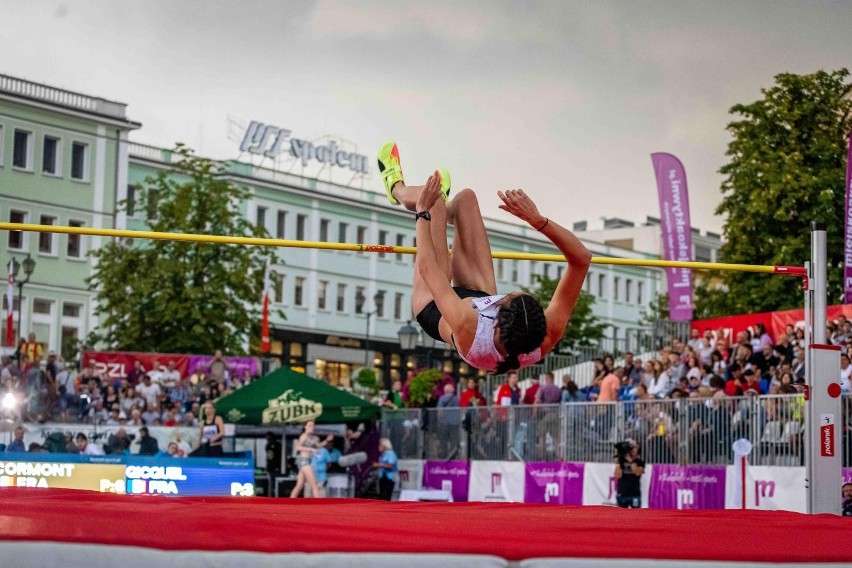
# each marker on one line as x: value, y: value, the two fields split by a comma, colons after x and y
x: 430, y: 316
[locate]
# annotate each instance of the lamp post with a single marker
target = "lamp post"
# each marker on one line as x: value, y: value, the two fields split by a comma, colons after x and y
x: 407, y: 340
x: 359, y: 305
x: 29, y: 268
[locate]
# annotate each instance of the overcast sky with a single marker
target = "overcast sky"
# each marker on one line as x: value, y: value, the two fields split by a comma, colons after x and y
x: 564, y: 99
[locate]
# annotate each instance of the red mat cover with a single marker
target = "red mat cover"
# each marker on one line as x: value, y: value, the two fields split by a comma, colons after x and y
x: 510, y: 530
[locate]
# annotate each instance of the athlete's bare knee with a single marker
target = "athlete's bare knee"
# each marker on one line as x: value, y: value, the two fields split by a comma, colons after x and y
x: 467, y: 197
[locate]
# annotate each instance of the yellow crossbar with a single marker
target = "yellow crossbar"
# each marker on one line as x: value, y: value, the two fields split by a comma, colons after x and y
x: 219, y: 239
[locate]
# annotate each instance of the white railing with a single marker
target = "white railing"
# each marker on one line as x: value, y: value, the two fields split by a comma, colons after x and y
x: 62, y: 97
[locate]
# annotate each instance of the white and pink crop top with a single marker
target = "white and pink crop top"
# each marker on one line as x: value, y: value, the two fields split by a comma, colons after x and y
x: 483, y: 354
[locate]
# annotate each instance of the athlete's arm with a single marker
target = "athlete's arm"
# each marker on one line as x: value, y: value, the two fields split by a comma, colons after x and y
x: 454, y: 311
x: 568, y: 290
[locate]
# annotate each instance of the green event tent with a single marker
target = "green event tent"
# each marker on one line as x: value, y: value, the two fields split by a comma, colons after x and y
x: 285, y: 396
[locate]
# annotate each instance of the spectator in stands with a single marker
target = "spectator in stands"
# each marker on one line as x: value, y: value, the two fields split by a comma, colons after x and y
x: 84, y: 447
x: 98, y: 414
x: 449, y: 419
x: 150, y: 391
x: 393, y: 400
x: 600, y: 371
x: 733, y: 387
x: 632, y: 369
x: 386, y: 469
x: 509, y: 394
x: 571, y: 392
x: 156, y: 373
x: 705, y: 353
x: 33, y: 350
x: 661, y: 384
x: 471, y: 395
x: 218, y: 369
x: 548, y: 393
x: 798, y: 366
x: 118, y: 443
x: 629, y: 468
x: 846, y: 494
x: 136, y: 374
x: 151, y: 414
x: 128, y: 399
x: 845, y: 373
x: 610, y: 385
x: 751, y: 381
x: 764, y: 359
x: 148, y: 445
x: 529, y: 394
x: 171, y: 451
x: 17, y: 445
x: 695, y: 339
x: 189, y: 419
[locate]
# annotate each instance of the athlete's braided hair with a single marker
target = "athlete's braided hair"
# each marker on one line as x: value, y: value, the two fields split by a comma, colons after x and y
x: 522, y: 329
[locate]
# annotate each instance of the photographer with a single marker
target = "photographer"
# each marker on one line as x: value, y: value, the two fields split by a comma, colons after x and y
x: 629, y: 468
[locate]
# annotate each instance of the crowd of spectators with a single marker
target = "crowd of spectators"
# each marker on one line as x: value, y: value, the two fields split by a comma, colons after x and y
x: 39, y: 388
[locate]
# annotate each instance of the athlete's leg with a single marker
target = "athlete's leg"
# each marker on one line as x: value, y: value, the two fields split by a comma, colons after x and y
x: 472, y: 266
x: 312, y: 482
x: 420, y: 293
x: 300, y: 482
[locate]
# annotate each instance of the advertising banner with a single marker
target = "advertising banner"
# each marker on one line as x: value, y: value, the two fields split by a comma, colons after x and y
x: 410, y: 474
x: 846, y: 475
x: 773, y: 488
x: 676, y: 231
x: 775, y: 322
x: 452, y: 476
x: 687, y: 487
x: 558, y: 483
x: 847, y: 250
x: 496, y: 481
x: 600, y: 484
x: 237, y: 366
x: 116, y: 364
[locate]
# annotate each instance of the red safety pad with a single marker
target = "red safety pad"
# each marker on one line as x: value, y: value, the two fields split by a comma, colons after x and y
x: 510, y: 530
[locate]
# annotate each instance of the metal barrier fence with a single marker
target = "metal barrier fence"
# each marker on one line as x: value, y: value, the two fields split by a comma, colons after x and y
x: 679, y: 431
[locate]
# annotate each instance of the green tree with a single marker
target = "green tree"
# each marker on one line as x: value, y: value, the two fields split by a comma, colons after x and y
x: 182, y: 297
x: 786, y: 168
x: 583, y: 329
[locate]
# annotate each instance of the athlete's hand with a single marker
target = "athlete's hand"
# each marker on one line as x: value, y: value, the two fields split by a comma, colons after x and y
x: 519, y: 204
x: 430, y: 193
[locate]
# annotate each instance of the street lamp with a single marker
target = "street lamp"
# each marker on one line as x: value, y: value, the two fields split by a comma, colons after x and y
x: 359, y: 305
x: 29, y: 268
x: 408, y: 337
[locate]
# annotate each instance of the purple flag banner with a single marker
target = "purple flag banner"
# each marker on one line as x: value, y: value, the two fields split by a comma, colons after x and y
x: 237, y: 366
x: 847, y: 255
x: 687, y: 487
x: 677, y: 231
x: 846, y: 475
x: 452, y: 476
x: 558, y: 483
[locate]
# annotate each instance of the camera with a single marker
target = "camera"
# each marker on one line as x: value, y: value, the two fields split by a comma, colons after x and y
x: 623, y: 448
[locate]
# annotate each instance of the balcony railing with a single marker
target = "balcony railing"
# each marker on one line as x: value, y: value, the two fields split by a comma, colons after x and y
x: 69, y: 99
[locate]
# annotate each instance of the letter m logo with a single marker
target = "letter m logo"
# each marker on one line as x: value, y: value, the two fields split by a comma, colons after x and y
x: 496, y: 481
x: 403, y: 476
x: 765, y: 489
x: 551, y: 490
x: 685, y: 499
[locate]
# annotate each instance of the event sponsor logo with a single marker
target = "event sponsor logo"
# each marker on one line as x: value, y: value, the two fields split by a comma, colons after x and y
x: 270, y: 141
x: 291, y: 406
x: 685, y: 498
x: 826, y: 435
x: 403, y: 476
x: 452, y: 476
x: 551, y: 490
x: 763, y: 488
x: 447, y: 485
x: 560, y: 483
x: 496, y: 481
x: 613, y: 488
x: 235, y: 415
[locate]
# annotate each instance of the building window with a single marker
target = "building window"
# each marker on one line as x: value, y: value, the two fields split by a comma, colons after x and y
x: 703, y: 254
x: 45, y: 240
x: 400, y: 241
x: 42, y: 306
x: 74, y: 248
x: 280, y: 224
x: 130, y: 202
x: 70, y: 310
x: 153, y: 204
x: 50, y: 163
x: 301, y: 222
x: 639, y: 291
x: 546, y: 270
x: 514, y: 271
x: 79, y: 161
x: 322, y: 293
x: 359, y: 291
x: 2, y: 145
x: 397, y: 306
x: 628, y: 290
x: 298, y: 292
x: 500, y: 269
x: 616, y: 284
x: 261, y: 217
x: 323, y: 236
x: 342, y: 229
x: 559, y: 270
x: 362, y: 235
x: 277, y: 287
x: 383, y: 240
x: 601, y: 285
x: 341, y: 297
x: 380, y: 303
x: 70, y: 336
x: 16, y: 238
x: 22, y: 151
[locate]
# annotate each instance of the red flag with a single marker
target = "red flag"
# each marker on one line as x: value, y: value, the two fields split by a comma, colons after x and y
x: 264, y: 322
x: 10, y: 309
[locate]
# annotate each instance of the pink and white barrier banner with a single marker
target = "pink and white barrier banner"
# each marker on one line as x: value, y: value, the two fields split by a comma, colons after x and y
x: 496, y: 481
x: 410, y: 474
x: 452, y: 476
x: 558, y: 483
x: 847, y: 233
x: 687, y: 487
x: 774, y: 489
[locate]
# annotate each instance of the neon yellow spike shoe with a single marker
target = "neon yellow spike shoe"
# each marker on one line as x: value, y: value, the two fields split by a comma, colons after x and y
x: 446, y: 186
x: 390, y: 168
